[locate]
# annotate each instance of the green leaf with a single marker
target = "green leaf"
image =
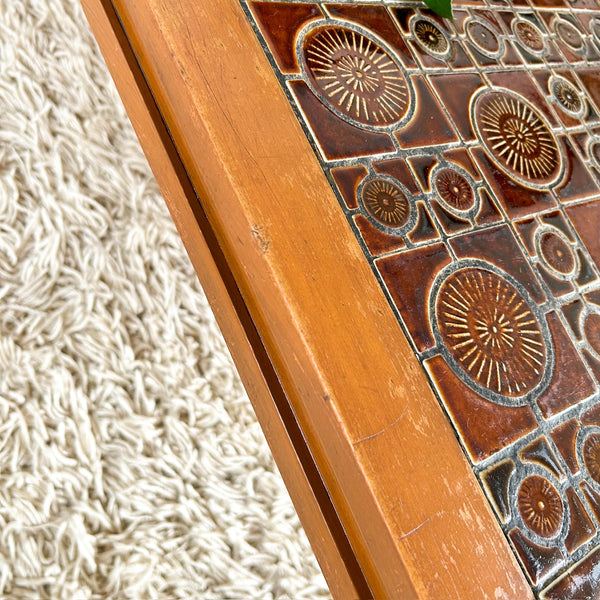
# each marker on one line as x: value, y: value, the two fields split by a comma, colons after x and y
x: 441, y: 7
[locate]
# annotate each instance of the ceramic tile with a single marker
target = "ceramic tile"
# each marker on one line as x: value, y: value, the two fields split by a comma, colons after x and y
x: 466, y: 157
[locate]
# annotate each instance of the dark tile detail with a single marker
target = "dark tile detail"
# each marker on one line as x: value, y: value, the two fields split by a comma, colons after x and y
x: 450, y: 223
x: 408, y: 277
x: 398, y: 169
x: 591, y: 82
x: 570, y: 381
x: 558, y: 287
x: 429, y: 122
x: 526, y: 230
x: 580, y: 583
x: 424, y: 229
x: 498, y: 246
x: 565, y: 437
x: 581, y: 528
x: 540, y: 452
x: 376, y: 19
x: 422, y: 166
x: 488, y: 213
x: 485, y: 427
x: 586, y: 218
x: 337, y: 138
x: 592, y: 416
x: 592, y: 497
x: 279, y: 23
x: 377, y: 241
x: 517, y: 200
x: 461, y: 157
x: 579, y: 184
x: 446, y: 86
x: 347, y: 180
x: 497, y: 480
x: 539, y: 562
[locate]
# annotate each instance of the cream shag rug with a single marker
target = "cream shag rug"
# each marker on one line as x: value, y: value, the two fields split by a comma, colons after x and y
x: 131, y: 464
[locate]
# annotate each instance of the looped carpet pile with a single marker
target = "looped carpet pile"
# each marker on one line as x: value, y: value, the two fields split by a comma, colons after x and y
x: 131, y: 463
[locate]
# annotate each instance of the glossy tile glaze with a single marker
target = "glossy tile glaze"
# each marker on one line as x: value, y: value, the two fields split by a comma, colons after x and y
x: 466, y: 156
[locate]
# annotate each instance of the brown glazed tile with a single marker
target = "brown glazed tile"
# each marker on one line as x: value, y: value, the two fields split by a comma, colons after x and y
x: 460, y: 16
x: 347, y: 180
x: 580, y: 583
x: 409, y: 277
x: 488, y: 213
x: 586, y: 274
x: 422, y: 167
x: 538, y: 561
x: 460, y: 60
x: 485, y: 427
x: 511, y: 57
x: 429, y: 123
x: 517, y: 200
x: 397, y: 167
x: 593, y: 363
x: 558, y: 287
x: 526, y: 230
x: 450, y: 223
x: 581, y: 528
x: 570, y: 381
x: 539, y: 452
x: 498, y: 246
x: 424, y: 230
x: 446, y: 86
x: 279, y: 23
x: 572, y: 312
x: 592, y: 497
x: 523, y: 84
x: 578, y: 182
x: 556, y: 219
x: 592, y: 416
x: 376, y: 19
x: 552, y: 3
x: 461, y: 157
x: 544, y: 80
x: 497, y: 481
x: 586, y: 218
x: 591, y: 82
x: 402, y: 16
x: 376, y: 241
x: 337, y: 138
x: 565, y: 437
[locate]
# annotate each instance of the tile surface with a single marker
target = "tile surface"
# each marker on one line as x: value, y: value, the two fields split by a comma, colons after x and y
x: 466, y: 157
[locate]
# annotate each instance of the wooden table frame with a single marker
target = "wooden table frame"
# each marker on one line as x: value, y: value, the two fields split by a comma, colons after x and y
x: 381, y: 485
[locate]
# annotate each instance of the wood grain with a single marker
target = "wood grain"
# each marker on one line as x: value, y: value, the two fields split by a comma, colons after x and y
x: 412, y: 509
x: 302, y: 479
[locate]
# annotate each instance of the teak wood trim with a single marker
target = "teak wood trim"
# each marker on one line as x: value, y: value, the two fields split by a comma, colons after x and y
x: 302, y: 479
x: 411, y: 507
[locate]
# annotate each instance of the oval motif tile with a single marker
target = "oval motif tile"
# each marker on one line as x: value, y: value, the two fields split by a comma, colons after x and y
x: 517, y: 137
x: 490, y: 332
x: 355, y: 75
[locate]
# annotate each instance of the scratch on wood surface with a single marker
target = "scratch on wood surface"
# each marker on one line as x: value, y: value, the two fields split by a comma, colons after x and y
x: 415, y: 529
x: 262, y: 241
x: 409, y: 533
x: 382, y: 431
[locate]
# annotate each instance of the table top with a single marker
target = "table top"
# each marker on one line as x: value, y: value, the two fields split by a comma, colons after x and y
x: 409, y: 207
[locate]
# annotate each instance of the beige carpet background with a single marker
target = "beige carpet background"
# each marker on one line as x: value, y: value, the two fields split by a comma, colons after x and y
x: 131, y: 464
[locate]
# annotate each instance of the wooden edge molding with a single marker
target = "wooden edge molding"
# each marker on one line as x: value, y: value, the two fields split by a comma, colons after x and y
x: 413, y: 511
x: 293, y: 458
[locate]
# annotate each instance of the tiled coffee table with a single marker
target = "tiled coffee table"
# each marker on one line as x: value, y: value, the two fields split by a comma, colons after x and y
x: 397, y: 219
